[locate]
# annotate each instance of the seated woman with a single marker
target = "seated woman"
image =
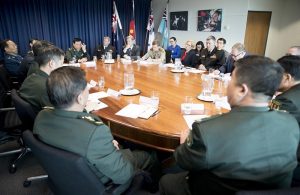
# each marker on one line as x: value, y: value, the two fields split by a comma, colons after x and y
x: 198, y: 50
x: 130, y: 50
x: 189, y: 57
x: 156, y: 53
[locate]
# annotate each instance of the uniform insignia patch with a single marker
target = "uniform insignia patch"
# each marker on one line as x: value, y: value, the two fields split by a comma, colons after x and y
x: 91, y: 120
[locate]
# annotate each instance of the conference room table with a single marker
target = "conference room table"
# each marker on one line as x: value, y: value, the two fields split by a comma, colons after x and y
x: 162, y: 131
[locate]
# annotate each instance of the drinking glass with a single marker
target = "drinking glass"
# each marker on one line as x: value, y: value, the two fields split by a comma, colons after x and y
x: 155, y: 98
x: 101, y: 83
x: 95, y: 59
x: 177, y: 64
x: 128, y: 80
x: 187, y: 105
x: 207, y: 85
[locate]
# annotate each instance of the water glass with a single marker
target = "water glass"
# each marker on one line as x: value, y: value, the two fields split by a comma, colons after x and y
x: 95, y: 59
x: 177, y: 65
x: 118, y: 58
x: 207, y: 85
x: 101, y: 82
x: 155, y: 98
x: 187, y: 105
x: 108, y: 56
x: 128, y: 80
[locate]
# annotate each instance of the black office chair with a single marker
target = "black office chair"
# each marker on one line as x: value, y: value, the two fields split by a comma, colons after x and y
x: 168, y: 56
x: 7, y: 81
x: 290, y: 191
x: 27, y: 116
x: 68, y: 173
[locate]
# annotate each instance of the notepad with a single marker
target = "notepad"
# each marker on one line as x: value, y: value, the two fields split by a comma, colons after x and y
x: 137, y: 111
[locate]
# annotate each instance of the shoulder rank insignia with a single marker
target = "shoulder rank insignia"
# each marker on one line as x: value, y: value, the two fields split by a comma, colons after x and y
x: 91, y: 120
x: 275, y: 105
x: 47, y: 107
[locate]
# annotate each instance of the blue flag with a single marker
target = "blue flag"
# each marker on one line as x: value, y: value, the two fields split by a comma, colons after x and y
x: 163, y: 30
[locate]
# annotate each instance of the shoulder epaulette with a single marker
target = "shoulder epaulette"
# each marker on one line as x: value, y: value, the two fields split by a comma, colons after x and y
x: 48, y: 108
x: 275, y: 104
x: 91, y: 120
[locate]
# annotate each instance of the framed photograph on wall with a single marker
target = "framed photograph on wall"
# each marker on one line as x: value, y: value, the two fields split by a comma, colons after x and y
x: 179, y: 20
x: 209, y: 20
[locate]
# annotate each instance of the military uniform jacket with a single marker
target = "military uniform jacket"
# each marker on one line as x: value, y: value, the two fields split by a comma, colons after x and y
x: 12, y: 63
x: 213, y: 59
x: 248, y: 143
x: 101, y: 51
x: 85, y: 135
x: 289, y: 101
x: 160, y: 54
x: 33, y: 90
x: 72, y: 52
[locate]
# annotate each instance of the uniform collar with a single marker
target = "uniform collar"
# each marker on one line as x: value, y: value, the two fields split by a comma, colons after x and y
x: 69, y: 114
x: 250, y: 109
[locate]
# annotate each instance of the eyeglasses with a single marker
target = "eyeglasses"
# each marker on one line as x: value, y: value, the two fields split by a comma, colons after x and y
x: 236, y: 55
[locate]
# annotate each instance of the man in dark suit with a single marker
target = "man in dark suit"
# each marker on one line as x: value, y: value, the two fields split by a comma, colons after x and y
x: 105, y: 47
x: 85, y: 134
x: 250, y: 147
x: 130, y: 50
x: 189, y: 57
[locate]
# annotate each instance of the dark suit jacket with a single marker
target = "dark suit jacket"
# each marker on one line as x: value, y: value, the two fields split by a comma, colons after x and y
x: 190, y: 59
x: 99, y: 51
x: 213, y: 59
x: 133, y: 53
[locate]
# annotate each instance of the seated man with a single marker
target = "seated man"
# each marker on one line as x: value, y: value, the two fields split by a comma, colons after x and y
x: 250, y: 147
x: 78, y: 52
x: 289, y: 99
x: 294, y: 51
x: 85, y: 134
x: 174, y: 48
x: 211, y: 57
x: 130, y: 50
x: 33, y: 89
x: 156, y: 53
x: 12, y: 60
x: 221, y: 42
x: 105, y: 47
x: 237, y: 52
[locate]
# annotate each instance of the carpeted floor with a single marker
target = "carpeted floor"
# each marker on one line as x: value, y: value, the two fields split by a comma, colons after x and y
x: 11, y: 184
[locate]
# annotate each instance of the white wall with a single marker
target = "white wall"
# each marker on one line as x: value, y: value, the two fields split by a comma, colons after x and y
x: 284, y: 27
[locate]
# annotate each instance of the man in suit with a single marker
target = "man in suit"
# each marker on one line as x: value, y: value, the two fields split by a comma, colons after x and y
x: 85, y: 134
x: 33, y: 89
x: 12, y: 60
x: 77, y: 53
x: 250, y: 147
x: 105, y: 47
x: 130, y: 50
x: 211, y: 57
x: 289, y: 100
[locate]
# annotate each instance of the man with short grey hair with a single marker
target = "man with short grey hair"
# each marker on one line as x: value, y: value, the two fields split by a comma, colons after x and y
x: 105, y: 47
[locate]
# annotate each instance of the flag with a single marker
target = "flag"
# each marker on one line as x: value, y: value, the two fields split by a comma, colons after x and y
x: 150, y: 29
x: 163, y: 30
x: 115, y: 23
x: 132, y: 23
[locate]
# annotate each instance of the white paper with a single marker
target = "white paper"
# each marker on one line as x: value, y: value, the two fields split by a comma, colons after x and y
x: 137, y: 110
x: 72, y: 64
x: 190, y: 119
x: 97, y: 95
x: 90, y: 64
x: 149, y: 101
x: 93, y: 83
x: 112, y: 92
x: 196, y: 108
x: 196, y: 71
x: 169, y: 65
x: 94, y: 105
x: 223, y: 103
x: 111, y: 61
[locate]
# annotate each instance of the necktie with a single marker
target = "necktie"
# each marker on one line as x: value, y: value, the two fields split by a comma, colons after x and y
x: 182, y: 58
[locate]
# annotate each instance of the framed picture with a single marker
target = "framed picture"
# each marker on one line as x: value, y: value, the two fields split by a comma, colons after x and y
x: 179, y: 20
x: 209, y: 20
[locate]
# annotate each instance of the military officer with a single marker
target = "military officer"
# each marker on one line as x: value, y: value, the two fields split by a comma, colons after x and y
x: 156, y: 53
x: 105, y: 47
x: 12, y: 60
x: 83, y: 133
x: 33, y: 89
x: 78, y: 52
x: 130, y: 50
x: 289, y: 100
x: 251, y: 147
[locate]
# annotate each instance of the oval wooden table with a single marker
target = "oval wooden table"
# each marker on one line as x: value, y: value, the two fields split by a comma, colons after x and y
x: 162, y: 131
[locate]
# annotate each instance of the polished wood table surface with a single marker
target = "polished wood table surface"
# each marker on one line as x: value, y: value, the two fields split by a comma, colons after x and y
x: 162, y: 131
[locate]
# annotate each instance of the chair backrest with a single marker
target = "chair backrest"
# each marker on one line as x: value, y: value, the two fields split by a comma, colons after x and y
x: 24, y: 110
x: 168, y: 56
x: 68, y: 173
x: 5, y: 79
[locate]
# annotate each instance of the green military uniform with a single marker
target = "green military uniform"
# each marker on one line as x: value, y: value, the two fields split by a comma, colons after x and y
x: 86, y: 135
x: 34, y: 91
x: 248, y: 143
x: 160, y: 54
x: 72, y: 52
